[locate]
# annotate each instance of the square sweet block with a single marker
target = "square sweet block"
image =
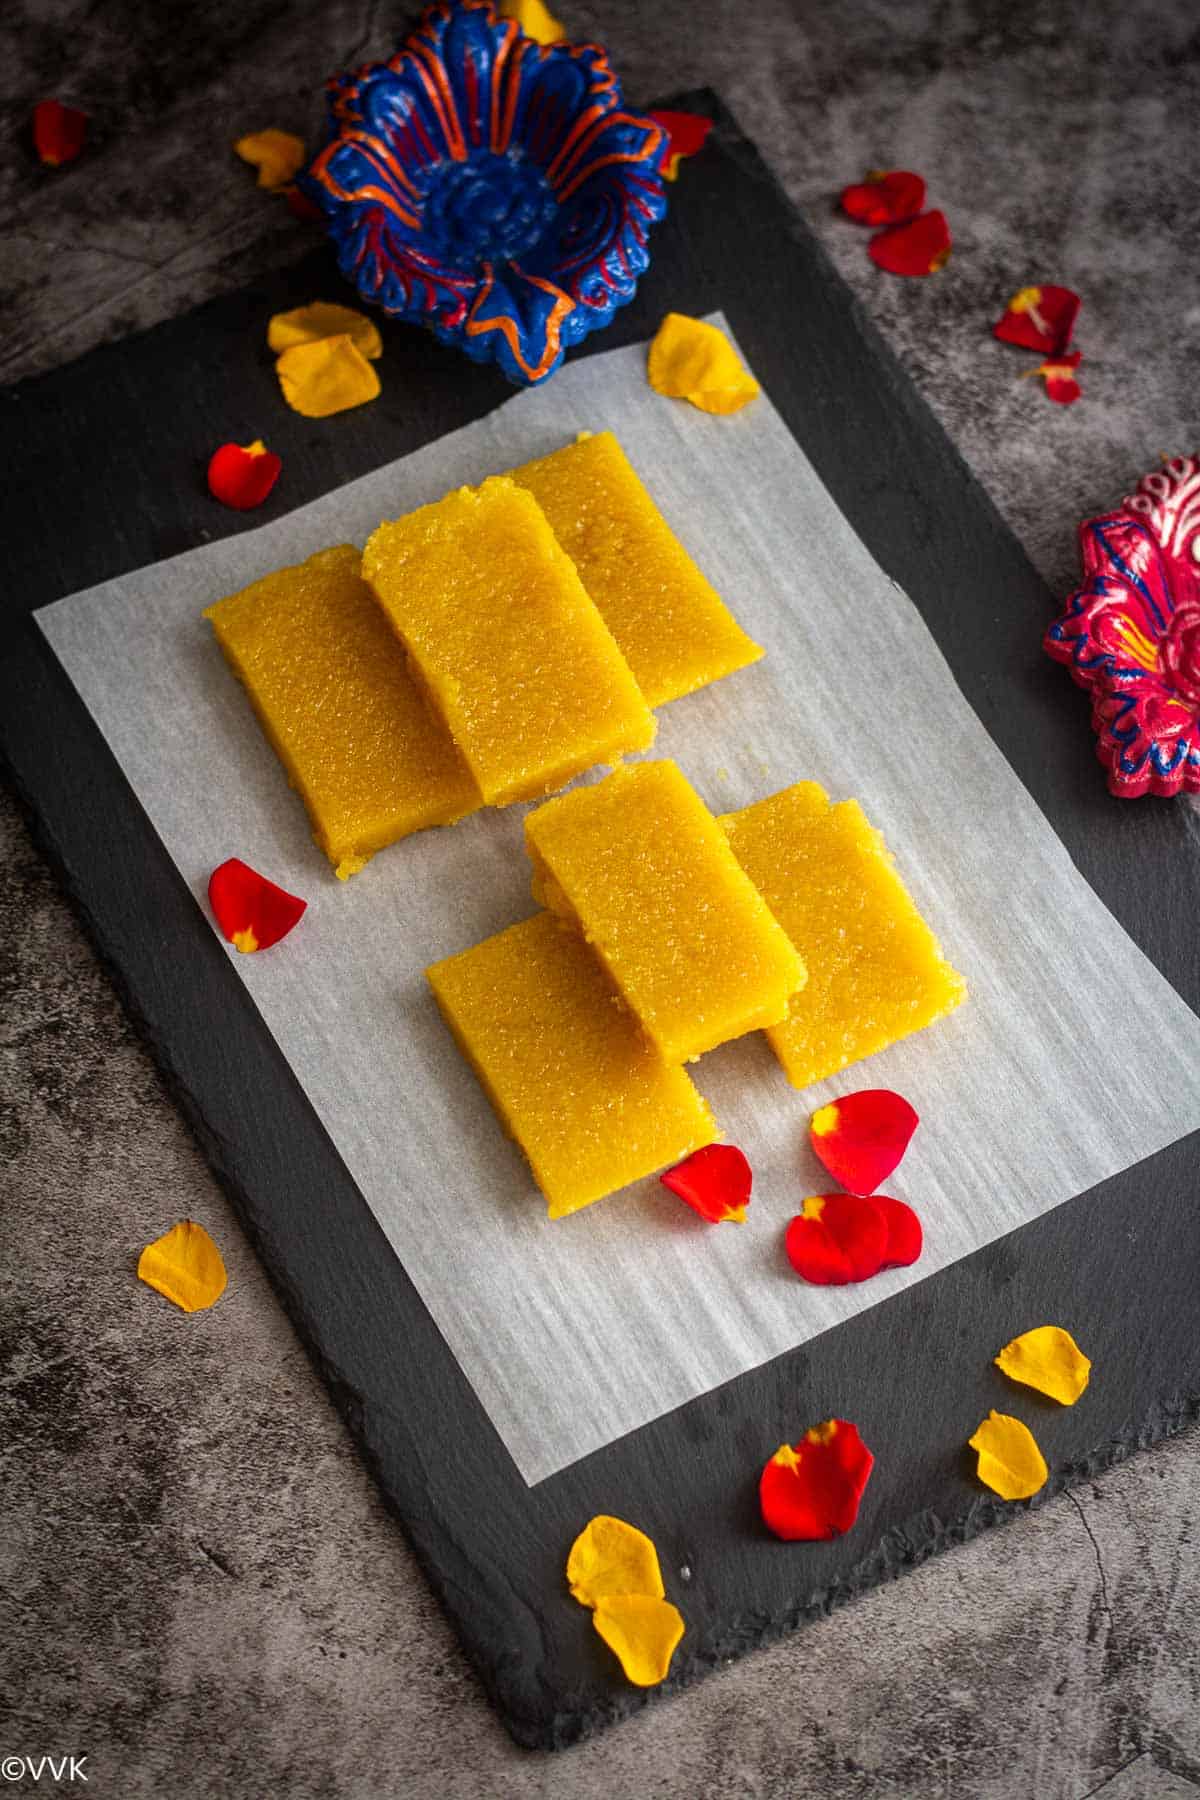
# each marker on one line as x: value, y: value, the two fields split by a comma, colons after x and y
x: 334, y: 694
x: 643, y: 868
x: 875, y: 970
x: 571, y: 1077
x: 506, y: 641
x: 671, y: 625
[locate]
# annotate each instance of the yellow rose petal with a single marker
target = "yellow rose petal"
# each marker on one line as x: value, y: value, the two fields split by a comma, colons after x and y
x: 535, y: 19
x: 690, y: 360
x: 327, y: 377
x: 610, y: 1557
x: 642, y: 1632
x: 277, y: 155
x: 185, y: 1265
x: 1048, y: 1359
x: 323, y: 319
x: 1010, y: 1462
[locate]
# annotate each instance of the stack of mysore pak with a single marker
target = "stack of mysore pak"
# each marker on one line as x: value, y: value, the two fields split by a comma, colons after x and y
x: 487, y: 649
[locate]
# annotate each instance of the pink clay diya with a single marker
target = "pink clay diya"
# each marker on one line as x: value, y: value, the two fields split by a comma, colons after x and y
x: 1131, y: 633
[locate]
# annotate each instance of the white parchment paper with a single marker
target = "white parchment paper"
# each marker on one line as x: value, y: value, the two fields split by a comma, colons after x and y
x: 575, y: 1332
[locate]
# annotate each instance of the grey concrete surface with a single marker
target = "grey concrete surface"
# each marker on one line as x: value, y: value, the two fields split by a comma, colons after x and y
x: 199, y: 1589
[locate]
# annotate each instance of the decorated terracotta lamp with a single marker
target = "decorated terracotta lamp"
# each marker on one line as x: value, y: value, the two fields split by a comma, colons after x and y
x: 490, y: 187
x: 1131, y: 633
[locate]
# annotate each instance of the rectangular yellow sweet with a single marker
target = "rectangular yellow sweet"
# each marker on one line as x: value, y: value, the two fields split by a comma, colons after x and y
x: 339, y: 705
x: 571, y: 1077
x: 642, y: 867
x: 506, y: 641
x: 671, y: 625
x: 875, y: 970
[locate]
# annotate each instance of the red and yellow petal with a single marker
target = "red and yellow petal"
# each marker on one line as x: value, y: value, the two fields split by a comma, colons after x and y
x: 58, y: 132
x: 886, y: 197
x: 715, y: 1182
x: 252, y: 912
x: 812, y: 1490
x: 862, y: 1137
x: 242, y: 475
x: 1059, y: 375
x: 686, y: 134
x: 837, y: 1238
x: 1039, y: 318
x: 921, y: 247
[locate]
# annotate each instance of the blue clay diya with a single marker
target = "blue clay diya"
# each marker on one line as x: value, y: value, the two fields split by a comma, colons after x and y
x: 491, y: 188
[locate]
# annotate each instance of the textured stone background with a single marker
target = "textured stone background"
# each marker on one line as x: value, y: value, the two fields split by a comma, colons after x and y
x: 198, y: 1586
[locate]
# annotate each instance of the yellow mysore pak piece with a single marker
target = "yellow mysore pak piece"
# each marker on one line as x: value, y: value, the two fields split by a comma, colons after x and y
x: 324, y: 376
x: 1048, y: 1359
x: 875, y: 970
x: 324, y: 319
x: 692, y: 360
x: 185, y: 1266
x: 671, y: 625
x: 339, y: 705
x: 277, y: 155
x: 1010, y: 1462
x: 509, y: 646
x: 564, y: 1065
x: 610, y: 1557
x: 640, y: 865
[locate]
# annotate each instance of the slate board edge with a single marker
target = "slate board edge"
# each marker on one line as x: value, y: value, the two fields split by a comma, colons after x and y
x: 562, y: 1728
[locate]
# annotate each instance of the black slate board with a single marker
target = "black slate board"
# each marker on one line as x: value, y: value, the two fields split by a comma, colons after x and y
x: 103, y: 473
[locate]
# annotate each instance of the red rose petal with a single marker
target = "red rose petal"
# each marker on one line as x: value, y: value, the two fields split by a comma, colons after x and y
x: 58, y: 132
x: 862, y: 1137
x: 812, y: 1490
x: 252, y: 912
x: 918, y: 248
x: 686, y: 134
x: 300, y: 206
x: 715, y: 1182
x: 242, y: 475
x: 1059, y: 376
x: 1039, y: 318
x: 837, y: 1238
x: 905, y: 1239
x: 886, y: 197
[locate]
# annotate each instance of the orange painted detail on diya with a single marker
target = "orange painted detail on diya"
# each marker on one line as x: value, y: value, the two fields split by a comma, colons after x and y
x: 687, y: 134
x: 252, y: 912
x: 862, y: 1137
x: 812, y: 1490
x: 242, y: 475
x: 277, y: 155
x: 920, y: 247
x: 59, y: 132
x: 886, y: 197
x: 1039, y: 318
x: 715, y: 1182
x: 1058, y: 373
